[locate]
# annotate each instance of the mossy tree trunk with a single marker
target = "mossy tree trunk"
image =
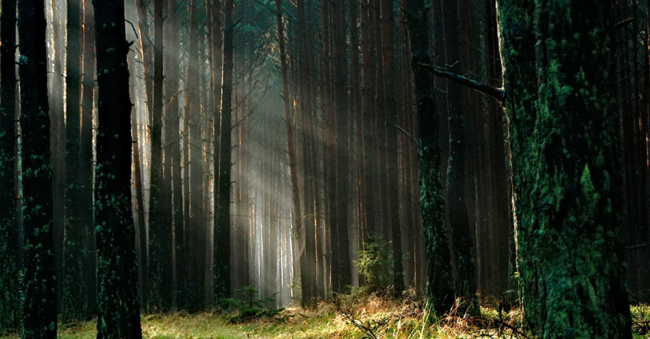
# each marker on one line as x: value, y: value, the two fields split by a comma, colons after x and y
x: 39, y: 286
x: 440, y: 290
x: 9, y: 240
x: 564, y: 137
x: 119, y: 310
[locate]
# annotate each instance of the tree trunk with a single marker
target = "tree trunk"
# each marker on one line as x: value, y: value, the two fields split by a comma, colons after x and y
x: 440, y: 280
x: 86, y: 153
x: 568, y: 201
x: 391, y: 123
x: 160, y: 227
x: 39, y: 288
x: 75, y: 288
x: 222, y: 227
x: 119, y: 312
x: 9, y: 241
x: 461, y: 244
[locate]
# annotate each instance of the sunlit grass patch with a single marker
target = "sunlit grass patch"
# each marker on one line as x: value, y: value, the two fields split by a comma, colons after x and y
x: 385, y: 317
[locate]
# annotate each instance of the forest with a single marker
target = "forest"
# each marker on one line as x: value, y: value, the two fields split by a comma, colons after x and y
x: 324, y: 169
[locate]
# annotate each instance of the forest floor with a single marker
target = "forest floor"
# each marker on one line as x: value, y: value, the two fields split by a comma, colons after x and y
x: 366, y: 317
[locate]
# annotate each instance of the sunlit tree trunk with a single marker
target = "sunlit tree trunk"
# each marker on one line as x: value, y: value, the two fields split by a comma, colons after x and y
x: 86, y: 168
x: 142, y: 9
x: 58, y: 129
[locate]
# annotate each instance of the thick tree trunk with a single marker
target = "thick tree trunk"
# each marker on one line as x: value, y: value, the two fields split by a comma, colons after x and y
x: 568, y: 197
x: 119, y: 311
x: 10, y: 243
x: 39, y: 288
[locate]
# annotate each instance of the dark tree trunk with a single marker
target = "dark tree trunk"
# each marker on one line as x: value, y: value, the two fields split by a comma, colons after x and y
x: 160, y: 226
x: 9, y: 241
x: 461, y: 243
x: 76, y: 235
x: 440, y: 281
x: 368, y: 108
x: 119, y: 311
x: 194, y: 154
x: 391, y: 124
x: 39, y: 287
x: 86, y: 168
x: 341, y: 276
x: 222, y: 226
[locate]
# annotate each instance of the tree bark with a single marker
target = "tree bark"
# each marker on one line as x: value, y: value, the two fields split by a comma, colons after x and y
x: 568, y: 197
x: 39, y: 288
x: 160, y: 226
x: 440, y: 280
x: 222, y: 227
x: 119, y: 310
x: 9, y: 241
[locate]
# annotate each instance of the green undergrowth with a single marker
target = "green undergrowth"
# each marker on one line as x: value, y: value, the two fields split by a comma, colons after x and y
x: 369, y: 316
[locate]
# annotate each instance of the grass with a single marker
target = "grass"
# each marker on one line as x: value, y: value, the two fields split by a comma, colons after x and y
x: 379, y: 316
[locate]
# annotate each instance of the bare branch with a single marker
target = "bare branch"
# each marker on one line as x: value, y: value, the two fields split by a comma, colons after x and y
x: 497, y: 93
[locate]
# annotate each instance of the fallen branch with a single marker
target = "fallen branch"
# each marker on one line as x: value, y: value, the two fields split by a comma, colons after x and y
x: 495, y: 92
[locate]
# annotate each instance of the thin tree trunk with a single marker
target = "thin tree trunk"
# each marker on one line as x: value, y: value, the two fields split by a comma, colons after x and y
x: 86, y: 209
x: 222, y: 227
x: 160, y: 226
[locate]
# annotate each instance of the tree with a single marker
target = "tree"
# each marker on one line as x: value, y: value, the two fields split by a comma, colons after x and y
x: 564, y: 131
x: 391, y: 123
x: 222, y: 210
x: 160, y: 226
x: 10, y: 243
x: 86, y: 150
x: 119, y: 312
x: 39, y: 284
x: 432, y: 200
x: 461, y: 256
x: 75, y: 266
